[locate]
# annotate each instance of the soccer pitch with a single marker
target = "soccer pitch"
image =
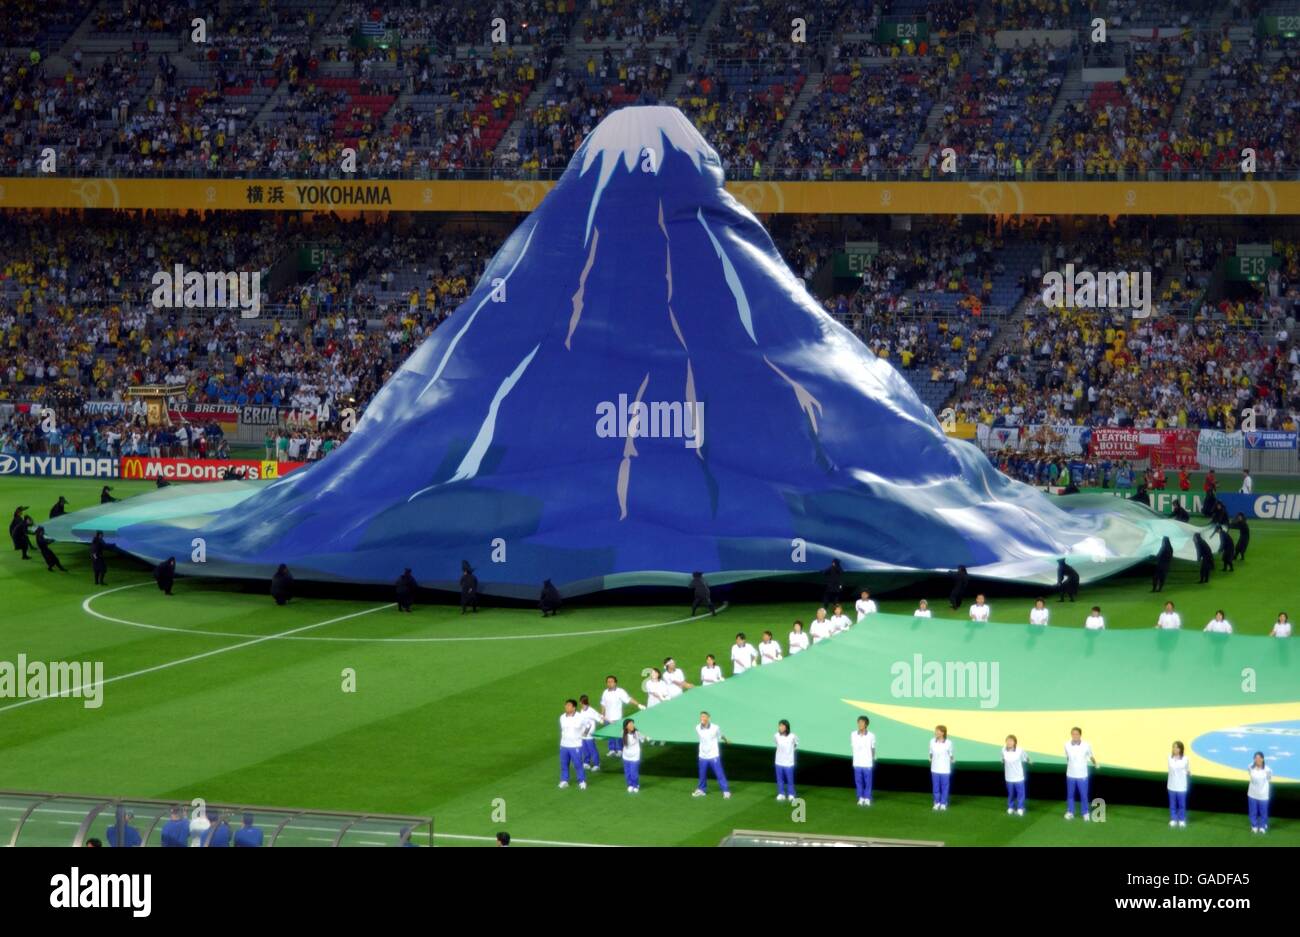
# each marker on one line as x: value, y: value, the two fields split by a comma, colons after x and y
x: 217, y: 693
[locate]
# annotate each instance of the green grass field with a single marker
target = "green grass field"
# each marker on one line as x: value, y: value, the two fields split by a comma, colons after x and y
x: 455, y: 717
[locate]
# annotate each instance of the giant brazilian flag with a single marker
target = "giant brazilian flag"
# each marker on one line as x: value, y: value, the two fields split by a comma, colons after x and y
x: 1132, y: 692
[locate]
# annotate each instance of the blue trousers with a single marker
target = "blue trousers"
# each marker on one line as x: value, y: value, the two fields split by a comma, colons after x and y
x: 1178, y: 805
x: 1079, y: 786
x: 785, y: 780
x: 940, y: 783
x: 571, y: 756
x: 632, y: 772
x: 590, y: 756
x: 716, y: 765
x: 1258, y: 812
x: 616, y: 745
x: 862, y: 781
x: 1015, y: 795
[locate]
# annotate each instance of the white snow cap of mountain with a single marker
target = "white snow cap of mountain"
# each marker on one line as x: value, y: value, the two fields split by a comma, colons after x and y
x: 629, y: 133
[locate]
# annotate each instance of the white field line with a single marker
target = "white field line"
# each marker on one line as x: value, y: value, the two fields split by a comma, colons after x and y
x: 290, y: 635
x: 194, y: 657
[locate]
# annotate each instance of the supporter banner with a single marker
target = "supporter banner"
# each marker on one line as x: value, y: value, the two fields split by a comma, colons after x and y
x: 963, y: 430
x: 203, y: 470
x: 996, y: 437
x: 70, y: 466
x: 1219, y: 450
x: 1064, y: 437
x: 1176, y: 449
x: 105, y: 408
x: 1115, y: 442
x: 276, y: 416
x: 1269, y: 439
x: 762, y: 197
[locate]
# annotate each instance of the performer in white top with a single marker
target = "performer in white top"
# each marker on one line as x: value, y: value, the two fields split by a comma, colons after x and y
x: 612, y: 702
x: 656, y: 691
x: 979, y: 611
x: 769, y: 651
x: 1014, y: 759
x: 1039, y: 614
x: 923, y: 610
x: 840, y: 621
x: 743, y: 655
x: 1169, y: 620
x: 798, y: 640
x: 820, y: 628
x: 1247, y: 484
x: 863, y: 745
x: 675, y: 675
x: 1094, y: 622
x: 865, y: 605
x: 1258, y: 793
x: 1179, y: 773
x: 710, y: 672
x: 941, y: 762
x: 1078, y: 756
x: 1281, y: 627
x: 710, y: 755
x: 572, y: 726
x: 1218, y: 624
x: 786, y: 743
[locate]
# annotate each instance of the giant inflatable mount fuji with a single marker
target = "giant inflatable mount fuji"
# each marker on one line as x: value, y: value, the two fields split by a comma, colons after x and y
x: 638, y: 280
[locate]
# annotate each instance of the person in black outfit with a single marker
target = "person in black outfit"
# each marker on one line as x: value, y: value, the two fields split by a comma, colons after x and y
x: 550, y: 600
x: 1206, y: 557
x: 98, y: 562
x: 1243, y: 534
x: 1141, y: 496
x: 834, y: 583
x: 1164, y: 557
x: 47, y: 554
x: 161, y: 482
x: 1067, y: 580
x: 468, y: 588
x: 105, y: 497
x: 1220, y: 516
x: 700, y: 594
x: 959, y: 582
x: 59, y: 510
x: 165, y: 574
x: 1210, y: 503
x: 18, y: 531
x: 282, y: 585
x: 1180, y: 513
x: 406, y: 586
x: 1227, y: 549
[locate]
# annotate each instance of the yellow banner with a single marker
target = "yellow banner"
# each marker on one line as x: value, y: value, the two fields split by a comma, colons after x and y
x: 923, y: 198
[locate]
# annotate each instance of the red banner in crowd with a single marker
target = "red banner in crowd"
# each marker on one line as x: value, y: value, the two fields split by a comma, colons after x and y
x: 1176, y: 449
x: 203, y: 470
x: 205, y: 413
x: 1171, y: 448
x: 1114, y: 442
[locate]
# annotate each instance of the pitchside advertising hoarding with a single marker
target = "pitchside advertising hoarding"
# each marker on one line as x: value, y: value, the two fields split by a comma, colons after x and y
x: 1284, y: 507
x: 142, y: 467
x: 59, y: 465
x: 203, y: 470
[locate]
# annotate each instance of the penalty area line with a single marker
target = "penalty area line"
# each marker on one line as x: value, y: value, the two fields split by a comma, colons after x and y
x: 194, y: 657
x: 292, y: 636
